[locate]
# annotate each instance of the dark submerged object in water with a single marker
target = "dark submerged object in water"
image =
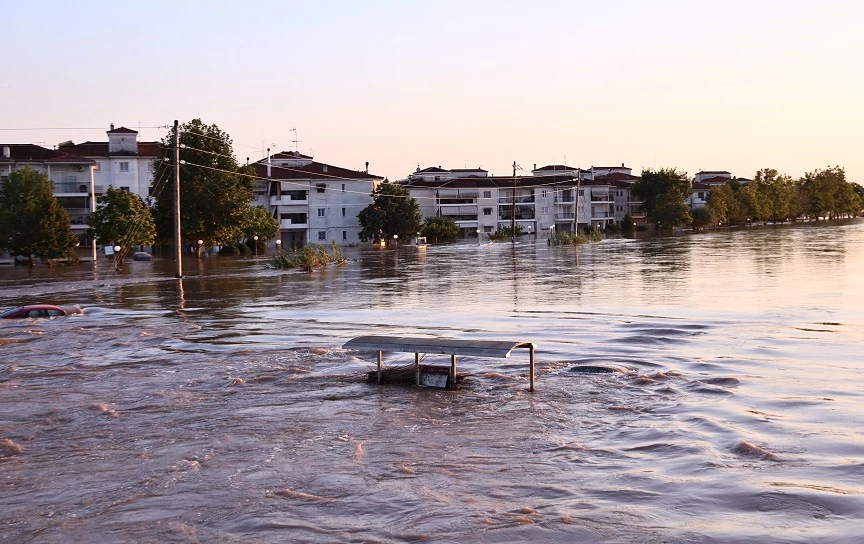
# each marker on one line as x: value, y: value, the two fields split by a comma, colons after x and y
x: 142, y: 256
x: 594, y: 369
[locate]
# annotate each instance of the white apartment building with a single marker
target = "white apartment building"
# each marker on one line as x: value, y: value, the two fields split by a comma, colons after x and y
x: 315, y: 202
x: 72, y: 177
x: 122, y: 162
x: 702, y: 184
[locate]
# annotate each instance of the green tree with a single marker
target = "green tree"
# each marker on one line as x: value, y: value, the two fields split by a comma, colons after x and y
x: 749, y: 204
x: 440, y: 229
x: 826, y: 193
x: 702, y: 217
x: 215, y: 191
x: 260, y: 223
x: 722, y: 203
x: 392, y: 211
x: 121, y: 218
x: 663, y: 194
x: 777, y: 195
x: 32, y: 221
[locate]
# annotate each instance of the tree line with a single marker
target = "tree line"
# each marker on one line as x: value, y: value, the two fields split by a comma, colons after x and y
x: 215, y: 193
x: 821, y: 194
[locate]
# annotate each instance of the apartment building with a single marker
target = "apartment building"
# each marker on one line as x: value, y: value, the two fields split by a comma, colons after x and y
x: 315, y: 202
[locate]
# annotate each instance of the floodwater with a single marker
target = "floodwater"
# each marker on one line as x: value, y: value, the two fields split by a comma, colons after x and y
x: 223, y: 409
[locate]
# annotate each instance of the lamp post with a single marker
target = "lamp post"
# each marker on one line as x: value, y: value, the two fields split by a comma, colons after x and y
x: 278, y: 245
x: 395, y: 238
x: 116, y: 258
x: 256, y: 244
x: 478, y: 237
x: 200, y: 247
x: 529, y: 233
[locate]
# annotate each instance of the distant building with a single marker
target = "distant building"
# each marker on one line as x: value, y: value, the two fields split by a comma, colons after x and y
x: 314, y: 202
x: 702, y: 184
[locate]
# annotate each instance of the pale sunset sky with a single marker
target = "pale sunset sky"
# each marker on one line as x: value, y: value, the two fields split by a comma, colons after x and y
x: 695, y: 85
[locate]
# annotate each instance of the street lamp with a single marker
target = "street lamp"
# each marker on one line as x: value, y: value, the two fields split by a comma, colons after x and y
x: 116, y: 259
x: 478, y: 237
x: 278, y: 245
x: 200, y: 247
x: 256, y: 244
x: 395, y: 238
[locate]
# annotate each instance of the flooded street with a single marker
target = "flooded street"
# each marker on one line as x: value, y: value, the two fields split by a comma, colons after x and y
x: 222, y: 408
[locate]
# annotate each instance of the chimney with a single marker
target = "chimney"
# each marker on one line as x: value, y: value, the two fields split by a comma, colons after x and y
x: 622, y: 165
x: 269, y: 163
x: 7, y: 152
x: 367, y: 167
x: 112, y: 126
x: 535, y: 166
x: 247, y: 161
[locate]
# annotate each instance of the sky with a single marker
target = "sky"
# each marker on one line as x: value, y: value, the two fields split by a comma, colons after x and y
x: 734, y: 85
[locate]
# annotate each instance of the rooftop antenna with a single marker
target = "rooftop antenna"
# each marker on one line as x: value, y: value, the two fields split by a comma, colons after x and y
x: 296, y: 141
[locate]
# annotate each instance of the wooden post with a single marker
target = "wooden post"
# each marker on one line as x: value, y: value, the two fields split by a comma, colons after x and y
x: 453, y: 372
x: 531, y: 371
x: 380, y: 365
x: 417, y: 367
x: 178, y: 241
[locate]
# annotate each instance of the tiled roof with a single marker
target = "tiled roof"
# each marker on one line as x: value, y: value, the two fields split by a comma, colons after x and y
x: 503, y: 182
x: 713, y: 172
x: 431, y: 170
x: 100, y: 149
x: 617, y: 176
x: 702, y: 186
x: 313, y: 170
x: 289, y: 155
x: 554, y: 167
x: 122, y: 130
x: 468, y: 170
x: 716, y: 180
x: 35, y: 153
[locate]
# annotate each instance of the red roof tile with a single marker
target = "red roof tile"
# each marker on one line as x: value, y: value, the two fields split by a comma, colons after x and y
x: 313, y: 170
x: 122, y: 130
x: 34, y: 153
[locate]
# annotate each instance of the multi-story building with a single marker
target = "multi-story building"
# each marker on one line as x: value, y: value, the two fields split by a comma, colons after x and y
x: 702, y: 184
x: 315, y: 202
x: 72, y: 178
x: 122, y: 162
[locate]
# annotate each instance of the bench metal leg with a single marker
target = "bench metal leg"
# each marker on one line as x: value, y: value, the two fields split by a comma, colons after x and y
x: 380, y: 366
x: 452, y: 372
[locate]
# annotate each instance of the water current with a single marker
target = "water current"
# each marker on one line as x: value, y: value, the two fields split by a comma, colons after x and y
x: 222, y: 408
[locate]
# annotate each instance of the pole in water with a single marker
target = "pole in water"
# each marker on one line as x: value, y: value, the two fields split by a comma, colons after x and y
x: 178, y: 248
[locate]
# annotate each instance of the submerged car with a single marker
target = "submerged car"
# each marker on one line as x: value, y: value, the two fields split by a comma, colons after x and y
x: 34, y: 310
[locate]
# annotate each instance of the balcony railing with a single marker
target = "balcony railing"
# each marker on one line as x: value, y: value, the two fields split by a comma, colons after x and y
x: 293, y: 224
x: 519, y: 199
x: 565, y: 216
x: 601, y: 198
x: 75, y: 187
x: 564, y: 200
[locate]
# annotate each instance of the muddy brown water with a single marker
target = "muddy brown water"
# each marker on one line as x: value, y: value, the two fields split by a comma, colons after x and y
x: 223, y: 409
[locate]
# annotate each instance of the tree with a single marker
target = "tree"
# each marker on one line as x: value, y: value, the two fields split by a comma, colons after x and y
x: 777, y: 195
x: 32, y: 221
x: 826, y: 193
x: 702, y: 217
x: 663, y: 193
x: 260, y: 223
x: 122, y: 219
x: 440, y: 229
x: 392, y: 211
x: 722, y: 203
x: 215, y: 191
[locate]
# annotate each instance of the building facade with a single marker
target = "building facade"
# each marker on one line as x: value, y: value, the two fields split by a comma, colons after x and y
x: 314, y: 202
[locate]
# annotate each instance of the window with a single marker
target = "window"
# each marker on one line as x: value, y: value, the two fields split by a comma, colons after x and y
x: 581, y: 192
x: 343, y: 212
x: 487, y: 229
x: 544, y: 193
x: 124, y: 189
x: 437, y: 178
x: 343, y: 187
x: 322, y: 234
x: 344, y: 234
x: 701, y: 196
x: 544, y: 210
x: 320, y: 212
x: 321, y: 187
x: 124, y: 166
x: 150, y: 191
x: 487, y: 211
x: 487, y: 194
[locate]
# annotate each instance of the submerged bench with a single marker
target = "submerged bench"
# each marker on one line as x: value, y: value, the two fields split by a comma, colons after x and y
x: 446, y: 346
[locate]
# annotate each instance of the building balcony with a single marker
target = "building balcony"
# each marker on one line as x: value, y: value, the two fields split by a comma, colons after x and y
x: 76, y: 188
x: 601, y: 215
x: 289, y: 200
x: 288, y: 224
x: 565, y: 216
x: 565, y: 200
x: 78, y: 216
x: 507, y: 200
x: 601, y: 198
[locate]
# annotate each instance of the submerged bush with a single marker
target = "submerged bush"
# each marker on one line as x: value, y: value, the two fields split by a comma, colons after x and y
x: 564, y: 238
x: 308, y: 257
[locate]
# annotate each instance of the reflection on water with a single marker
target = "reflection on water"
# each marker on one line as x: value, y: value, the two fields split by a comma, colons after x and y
x: 222, y: 407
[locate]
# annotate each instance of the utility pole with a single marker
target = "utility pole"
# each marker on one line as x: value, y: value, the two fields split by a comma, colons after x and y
x: 93, y: 208
x: 513, y: 208
x: 576, y: 223
x: 178, y: 241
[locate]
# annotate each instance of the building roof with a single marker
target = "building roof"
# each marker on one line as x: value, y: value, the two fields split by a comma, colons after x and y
x: 100, y: 149
x: 617, y: 176
x: 702, y: 186
x: 121, y: 130
x: 467, y: 170
x: 713, y: 172
x: 35, y: 153
x: 715, y: 180
x: 289, y: 155
x: 432, y: 170
x: 313, y: 170
x: 491, y: 182
x: 553, y: 167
